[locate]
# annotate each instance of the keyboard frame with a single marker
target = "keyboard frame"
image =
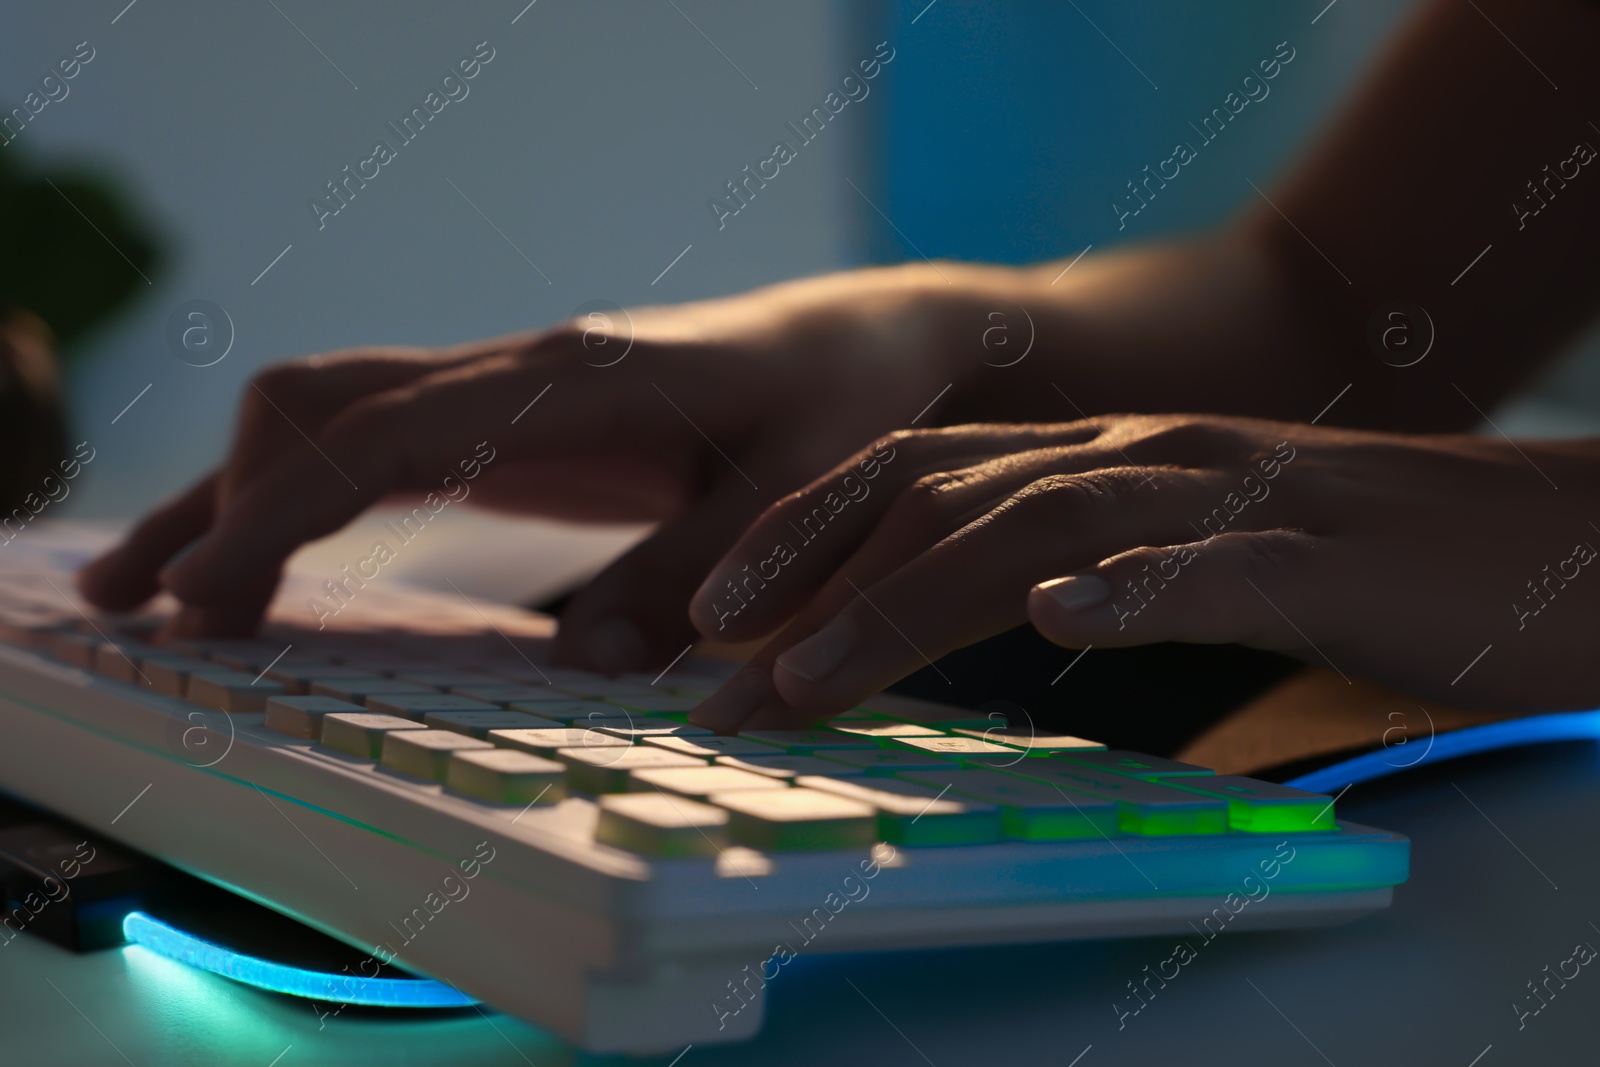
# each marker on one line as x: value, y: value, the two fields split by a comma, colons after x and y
x: 614, y: 952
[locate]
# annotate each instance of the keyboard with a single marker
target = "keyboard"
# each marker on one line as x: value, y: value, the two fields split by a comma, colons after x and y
x: 419, y: 781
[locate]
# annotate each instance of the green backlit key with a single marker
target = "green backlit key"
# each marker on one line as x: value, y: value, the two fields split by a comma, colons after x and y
x: 638, y: 728
x: 793, y: 820
x: 964, y: 750
x: 712, y: 746
x: 416, y: 705
x: 877, y: 728
x: 1262, y: 807
x: 660, y: 825
x: 1142, y: 807
x: 302, y: 716
x: 1034, y: 744
x: 426, y: 753
x: 361, y: 733
x: 803, y: 742
x: 912, y: 814
x: 606, y: 770
x: 938, y: 716
x: 700, y: 782
x: 506, y: 776
x: 1137, y: 764
x: 885, y: 762
x: 1029, y: 811
x: 479, y: 723
x: 791, y: 766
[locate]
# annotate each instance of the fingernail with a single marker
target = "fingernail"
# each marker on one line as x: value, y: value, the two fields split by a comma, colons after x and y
x: 820, y: 654
x: 616, y: 645
x: 1076, y: 592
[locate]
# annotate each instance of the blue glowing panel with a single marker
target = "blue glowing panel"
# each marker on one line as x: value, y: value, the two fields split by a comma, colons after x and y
x: 174, y: 944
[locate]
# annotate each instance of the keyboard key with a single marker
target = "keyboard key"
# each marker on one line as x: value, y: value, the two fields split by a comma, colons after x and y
x: 650, y: 705
x: 361, y: 733
x: 886, y: 762
x: 1034, y: 744
x: 1030, y: 811
x: 659, y: 825
x: 599, y: 688
x: 416, y: 705
x: 700, y: 782
x: 964, y: 750
x: 1136, y: 764
x: 446, y: 679
x: 297, y: 677
x: 884, y: 728
x: 302, y: 716
x: 479, y: 723
x: 120, y: 660
x: 912, y: 814
x: 425, y: 753
x: 506, y: 776
x: 1142, y: 807
x: 577, y: 712
x: 712, y: 746
x: 506, y: 695
x: 638, y: 728
x: 547, y: 742
x: 230, y: 691
x: 170, y: 677
x: 75, y: 648
x: 606, y: 770
x: 357, y: 690
x: 790, y: 765
x: 1262, y: 807
x: 793, y: 820
x: 938, y: 716
x: 802, y: 742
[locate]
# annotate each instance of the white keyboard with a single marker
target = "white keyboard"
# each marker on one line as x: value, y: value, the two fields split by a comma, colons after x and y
x: 423, y: 785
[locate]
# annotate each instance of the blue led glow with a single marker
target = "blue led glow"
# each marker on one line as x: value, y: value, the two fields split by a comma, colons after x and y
x: 1534, y: 730
x: 174, y: 944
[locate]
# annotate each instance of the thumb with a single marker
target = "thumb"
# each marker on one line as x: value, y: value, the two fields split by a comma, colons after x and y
x: 1248, y: 588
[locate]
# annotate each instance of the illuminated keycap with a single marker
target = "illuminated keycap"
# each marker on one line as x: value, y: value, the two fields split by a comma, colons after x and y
x: 700, y: 782
x: 547, y: 742
x: 606, y: 770
x: 170, y: 676
x: 302, y: 716
x: 1262, y: 807
x: 1031, y: 811
x: 791, y: 820
x: 506, y: 776
x: 965, y: 750
x: 938, y: 716
x: 886, y: 762
x: 806, y: 741
x: 792, y: 765
x: 357, y: 690
x: 883, y: 728
x: 655, y: 824
x: 425, y: 753
x: 912, y: 814
x: 361, y: 733
x: 1137, y: 764
x: 1034, y: 744
x: 1142, y: 807
x: 711, y: 746
x: 479, y: 723
x: 576, y: 712
x: 639, y: 728
x: 230, y: 691
x: 416, y: 705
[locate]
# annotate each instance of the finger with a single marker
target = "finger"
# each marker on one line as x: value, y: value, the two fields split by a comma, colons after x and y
x: 914, y: 477
x: 974, y: 583
x: 125, y: 577
x: 1268, y: 589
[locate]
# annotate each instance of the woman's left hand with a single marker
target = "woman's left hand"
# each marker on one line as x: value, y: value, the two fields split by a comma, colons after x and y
x: 1453, y: 568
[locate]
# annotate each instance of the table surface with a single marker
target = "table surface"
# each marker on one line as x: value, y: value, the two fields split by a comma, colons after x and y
x: 1504, y: 881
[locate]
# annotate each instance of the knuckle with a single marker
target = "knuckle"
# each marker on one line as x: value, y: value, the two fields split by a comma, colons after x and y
x: 1275, y: 557
x: 1194, y: 439
x: 928, y: 501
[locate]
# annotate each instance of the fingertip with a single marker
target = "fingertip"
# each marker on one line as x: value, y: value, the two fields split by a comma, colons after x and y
x: 739, y: 699
x: 107, y: 583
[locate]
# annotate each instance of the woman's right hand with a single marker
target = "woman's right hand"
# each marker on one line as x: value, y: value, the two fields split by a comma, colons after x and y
x: 696, y: 416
